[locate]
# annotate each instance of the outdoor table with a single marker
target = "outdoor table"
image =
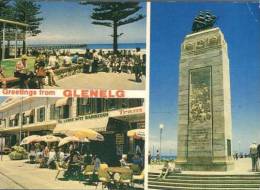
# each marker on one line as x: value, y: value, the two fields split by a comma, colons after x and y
x: 125, y: 173
x: 120, y: 170
x: 74, y: 170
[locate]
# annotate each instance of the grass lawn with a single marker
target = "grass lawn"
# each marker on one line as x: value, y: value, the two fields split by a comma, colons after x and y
x: 8, y: 66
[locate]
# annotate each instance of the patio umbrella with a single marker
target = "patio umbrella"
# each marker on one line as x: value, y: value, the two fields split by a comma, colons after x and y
x: 30, y: 139
x: 50, y: 138
x: 71, y: 139
x: 136, y: 134
x: 80, y: 132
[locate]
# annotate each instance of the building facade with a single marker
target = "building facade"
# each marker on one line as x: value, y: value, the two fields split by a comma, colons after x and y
x: 21, y: 117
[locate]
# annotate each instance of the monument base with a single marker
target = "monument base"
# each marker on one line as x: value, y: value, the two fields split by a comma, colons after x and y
x: 205, y: 166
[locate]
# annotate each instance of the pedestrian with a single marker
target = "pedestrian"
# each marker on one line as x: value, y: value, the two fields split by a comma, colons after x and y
x: 258, y: 156
x: 149, y: 157
x: 157, y: 156
x: 254, y: 156
x: 96, y: 162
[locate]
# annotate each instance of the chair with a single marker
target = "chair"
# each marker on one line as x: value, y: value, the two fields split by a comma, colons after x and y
x: 135, y: 168
x: 59, y: 168
x: 125, y: 180
x: 104, y: 178
x: 103, y: 166
x: 138, y: 178
x: 88, y: 171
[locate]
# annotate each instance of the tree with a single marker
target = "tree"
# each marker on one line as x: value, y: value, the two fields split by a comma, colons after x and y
x: 114, y: 15
x: 5, y: 9
x: 28, y: 11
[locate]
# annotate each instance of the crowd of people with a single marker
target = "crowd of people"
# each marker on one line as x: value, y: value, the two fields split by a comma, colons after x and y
x: 48, y: 61
x: 75, y: 157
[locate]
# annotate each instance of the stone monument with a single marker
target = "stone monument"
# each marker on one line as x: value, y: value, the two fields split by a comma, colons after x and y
x: 204, y: 133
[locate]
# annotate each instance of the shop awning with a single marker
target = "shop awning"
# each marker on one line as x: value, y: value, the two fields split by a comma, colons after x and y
x: 12, y: 117
x: 62, y: 102
x: 28, y: 113
x: 97, y: 124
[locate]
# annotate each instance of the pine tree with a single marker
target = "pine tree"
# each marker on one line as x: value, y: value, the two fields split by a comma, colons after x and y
x: 28, y: 11
x: 5, y: 9
x: 114, y: 15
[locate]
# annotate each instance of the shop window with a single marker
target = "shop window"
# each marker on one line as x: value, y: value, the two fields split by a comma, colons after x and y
x: 131, y: 146
x: 112, y: 104
x: 125, y: 103
x: 41, y: 114
x: 53, y: 112
x: 3, y: 122
x: 24, y: 119
x: 135, y: 102
x: 66, y: 111
x: 83, y: 106
x: 63, y: 112
x: 16, y: 120
x: 31, y: 117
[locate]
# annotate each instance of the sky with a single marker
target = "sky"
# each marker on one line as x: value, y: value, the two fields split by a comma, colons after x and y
x: 70, y: 22
x: 240, y: 24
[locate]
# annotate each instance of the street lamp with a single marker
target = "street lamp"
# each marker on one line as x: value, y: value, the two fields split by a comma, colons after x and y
x: 161, y: 130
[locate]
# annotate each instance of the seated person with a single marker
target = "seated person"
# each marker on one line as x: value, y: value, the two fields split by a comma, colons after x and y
x: 52, y: 158
x: 21, y: 72
x: 32, y: 155
x: 2, y: 78
x: 123, y: 161
x: 40, y: 70
x: 165, y: 170
x: 75, y: 58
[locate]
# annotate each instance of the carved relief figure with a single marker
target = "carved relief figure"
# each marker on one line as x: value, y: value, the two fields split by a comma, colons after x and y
x: 200, y: 95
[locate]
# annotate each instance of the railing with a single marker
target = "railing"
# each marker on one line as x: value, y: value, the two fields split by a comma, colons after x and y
x: 68, y: 71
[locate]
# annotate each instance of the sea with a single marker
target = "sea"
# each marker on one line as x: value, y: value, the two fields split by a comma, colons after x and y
x: 97, y: 46
x: 120, y: 46
x: 165, y: 157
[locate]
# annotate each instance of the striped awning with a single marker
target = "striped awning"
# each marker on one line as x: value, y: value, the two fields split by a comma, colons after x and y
x: 28, y: 113
x: 62, y: 102
x: 12, y: 117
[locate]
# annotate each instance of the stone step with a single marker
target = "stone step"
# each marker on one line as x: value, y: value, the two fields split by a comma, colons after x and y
x: 209, y: 181
x: 210, y: 175
x: 219, y: 177
x: 193, y: 185
x: 208, y: 178
x: 161, y: 187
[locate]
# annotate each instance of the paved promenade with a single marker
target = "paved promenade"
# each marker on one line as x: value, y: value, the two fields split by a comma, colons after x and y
x: 21, y: 175
x: 242, y: 166
x: 101, y: 80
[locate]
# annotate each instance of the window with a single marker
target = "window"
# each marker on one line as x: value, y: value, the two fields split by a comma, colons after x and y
x: 135, y: 102
x: 16, y: 120
x: 63, y: 112
x: 112, y: 104
x: 41, y: 114
x: 83, y: 106
x: 52, y: 112
x: 31, y: 117
x: 24, y: 119
x: 131, y: 146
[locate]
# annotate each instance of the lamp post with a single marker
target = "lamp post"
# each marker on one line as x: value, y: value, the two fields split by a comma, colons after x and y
x: 161, y: 130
